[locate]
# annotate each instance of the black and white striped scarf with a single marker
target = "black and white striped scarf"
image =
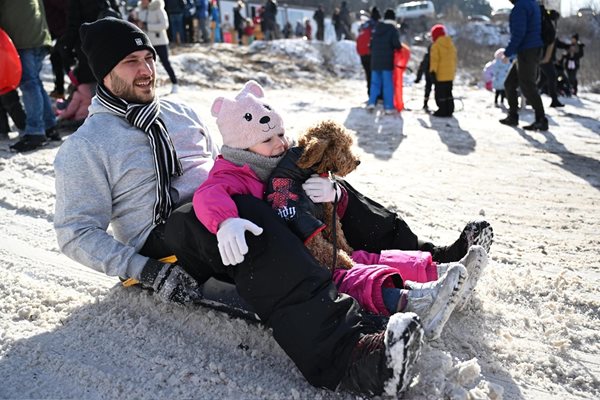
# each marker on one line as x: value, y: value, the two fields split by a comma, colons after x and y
x: 166, y: 164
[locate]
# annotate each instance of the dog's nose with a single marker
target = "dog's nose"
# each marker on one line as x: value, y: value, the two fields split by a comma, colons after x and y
x: 265, y: 120
x: 357, y: 163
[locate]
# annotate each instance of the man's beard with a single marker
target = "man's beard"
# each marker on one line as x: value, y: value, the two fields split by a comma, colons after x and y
x: 127, y: 92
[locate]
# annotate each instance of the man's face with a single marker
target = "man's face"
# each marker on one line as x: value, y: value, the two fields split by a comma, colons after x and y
x: 132, y: 79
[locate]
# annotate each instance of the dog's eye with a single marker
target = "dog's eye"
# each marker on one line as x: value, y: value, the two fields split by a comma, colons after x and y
x: 268, y: 107
x: 248, y: 117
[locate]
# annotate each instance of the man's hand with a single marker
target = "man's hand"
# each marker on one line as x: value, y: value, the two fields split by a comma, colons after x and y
x: 231, y: 239
x: 322, y: 189
x: 169, y: 282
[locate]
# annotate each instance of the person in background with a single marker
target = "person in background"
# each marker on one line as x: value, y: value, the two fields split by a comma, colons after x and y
x: 345, y: 22
x: 499, y: 71
x: 423, y: 71
x: 239, y: 20
x: 269, y: 19
x: 548, y: 78
x: 10, y: 105
x: 56, y: 17
x: 215, y: 23
x: 319, y: 17
x: 385, y: 39
x: 134, y: 165
x: 442, y: 67
x: 307, y: 29
x: 152, y: 18
x: 202, y: 14
x: 176, y: 11
x: 25, y: 23
x: 572, y: 60
x: 363, y: 44
x: 526, y: 44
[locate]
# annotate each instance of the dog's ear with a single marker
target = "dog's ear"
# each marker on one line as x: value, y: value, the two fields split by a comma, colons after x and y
x: 314, y: 149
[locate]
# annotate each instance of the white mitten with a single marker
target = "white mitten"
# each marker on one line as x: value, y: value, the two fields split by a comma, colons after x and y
x: 322, y: 189
x: 231, y: 239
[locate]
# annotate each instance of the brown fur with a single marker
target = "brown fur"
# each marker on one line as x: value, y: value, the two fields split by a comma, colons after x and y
x: 327, y: 148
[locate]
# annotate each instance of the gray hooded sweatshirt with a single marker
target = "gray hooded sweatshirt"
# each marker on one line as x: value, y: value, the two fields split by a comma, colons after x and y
x: 106, y: 185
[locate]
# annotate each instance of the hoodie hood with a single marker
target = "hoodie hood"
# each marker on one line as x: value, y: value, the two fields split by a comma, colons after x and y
x: 156, y: 5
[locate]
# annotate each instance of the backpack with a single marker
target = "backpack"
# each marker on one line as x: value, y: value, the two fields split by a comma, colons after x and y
x: 548, y: 28
x: 363, y: 40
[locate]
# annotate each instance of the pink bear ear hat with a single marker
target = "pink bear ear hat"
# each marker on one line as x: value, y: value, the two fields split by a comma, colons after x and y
x: 247, y: 119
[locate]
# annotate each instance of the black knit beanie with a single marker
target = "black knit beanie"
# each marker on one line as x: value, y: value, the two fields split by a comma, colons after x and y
x: 107, y: 41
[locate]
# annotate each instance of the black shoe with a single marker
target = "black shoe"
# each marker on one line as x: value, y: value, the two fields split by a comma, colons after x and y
x: 376, y: 367
x: 510, y: 120
x: 29, y: 143
x: 52, y: 134
x: 538, y: 125
x: 556, y: 103
x: 440, y: 114
x: 478, y: 232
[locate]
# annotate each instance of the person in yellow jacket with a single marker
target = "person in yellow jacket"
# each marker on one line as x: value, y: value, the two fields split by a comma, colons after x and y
x: 442, y: 66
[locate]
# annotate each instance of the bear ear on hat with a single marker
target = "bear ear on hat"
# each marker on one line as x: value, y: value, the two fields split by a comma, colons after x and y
x: 252, y: 87
x: 216, y: 107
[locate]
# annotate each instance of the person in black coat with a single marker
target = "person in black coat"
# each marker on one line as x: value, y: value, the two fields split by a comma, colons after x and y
x: 81, y: 11
x: 423, y: 71
x: 319, y: 17
x: 385, y: 40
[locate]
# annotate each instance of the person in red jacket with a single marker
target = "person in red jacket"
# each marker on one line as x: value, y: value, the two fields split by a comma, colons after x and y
x: 363, y: 44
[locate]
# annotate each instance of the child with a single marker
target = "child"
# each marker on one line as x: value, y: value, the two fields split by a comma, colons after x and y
x: 254, y: 142
x: 424, y: 71
x: 442, y: 66
x: 499, y: 72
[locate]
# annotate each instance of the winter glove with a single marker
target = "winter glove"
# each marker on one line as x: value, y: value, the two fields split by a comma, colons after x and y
x: 231, y: 239
x: 322, y: 189
x: 170, y: 282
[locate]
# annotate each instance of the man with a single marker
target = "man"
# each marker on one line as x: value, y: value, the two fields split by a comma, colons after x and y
x: 547, y: 63
x: 25, y: 23
x: 526, y: 43
x: 319, y: 17
x: 136, y: 158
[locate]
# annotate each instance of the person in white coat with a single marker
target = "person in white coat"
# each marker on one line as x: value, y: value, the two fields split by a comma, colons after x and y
x: 152, y: 18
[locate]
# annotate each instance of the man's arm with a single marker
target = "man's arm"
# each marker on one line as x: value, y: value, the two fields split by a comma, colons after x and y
x: 83, y: 212
x: 518, y: 28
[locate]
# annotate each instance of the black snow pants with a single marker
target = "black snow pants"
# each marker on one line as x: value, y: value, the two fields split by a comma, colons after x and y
x: 315, y: 325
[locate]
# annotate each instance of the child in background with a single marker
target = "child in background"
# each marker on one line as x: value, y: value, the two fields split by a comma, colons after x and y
x: 254, y: 142
x: 499, y: 72
x: 442, y: 66
x: 424, y: 71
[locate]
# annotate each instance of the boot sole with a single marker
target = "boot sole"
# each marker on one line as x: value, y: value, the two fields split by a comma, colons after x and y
x: 405, y: 330
x: 485, y: 238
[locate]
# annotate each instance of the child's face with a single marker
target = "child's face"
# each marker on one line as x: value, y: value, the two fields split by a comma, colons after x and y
x: 275, y: 146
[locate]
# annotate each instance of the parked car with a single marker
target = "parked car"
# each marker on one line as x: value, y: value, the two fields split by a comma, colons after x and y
x: 415, y: 9
x: 586, y: 12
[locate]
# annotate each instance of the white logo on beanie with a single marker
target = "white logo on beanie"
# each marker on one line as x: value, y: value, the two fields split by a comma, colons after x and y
x: 138, y: 41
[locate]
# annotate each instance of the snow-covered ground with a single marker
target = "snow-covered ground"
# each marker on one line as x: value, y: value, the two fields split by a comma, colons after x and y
x: 531, y: 332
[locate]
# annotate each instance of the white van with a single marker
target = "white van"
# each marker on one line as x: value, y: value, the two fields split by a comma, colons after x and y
x: 415, y: 9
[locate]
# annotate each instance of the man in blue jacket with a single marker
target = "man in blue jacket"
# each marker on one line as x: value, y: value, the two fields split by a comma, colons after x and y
x: 526, y: 43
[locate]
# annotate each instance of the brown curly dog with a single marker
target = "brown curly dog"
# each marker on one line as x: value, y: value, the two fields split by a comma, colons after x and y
x: 328, y: 150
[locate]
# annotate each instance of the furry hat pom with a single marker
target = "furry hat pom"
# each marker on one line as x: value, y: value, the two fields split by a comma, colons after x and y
x: 247, y: 119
